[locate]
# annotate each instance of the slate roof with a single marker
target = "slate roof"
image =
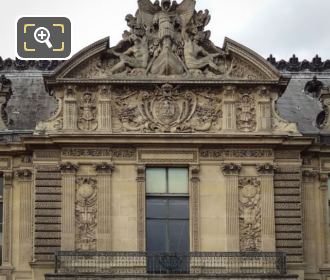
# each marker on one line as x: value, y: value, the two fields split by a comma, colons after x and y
x: 30, y: 103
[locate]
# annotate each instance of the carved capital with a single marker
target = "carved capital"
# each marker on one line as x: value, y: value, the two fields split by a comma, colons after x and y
x: 231, y: 168
x: 8, y: 179
x: 194, y: 173
x: 23, y: 174
x: 141, y: 173
x: 68, y: 167
x: 266, y: 169
x: 104, y: 168
x: 324, y: 181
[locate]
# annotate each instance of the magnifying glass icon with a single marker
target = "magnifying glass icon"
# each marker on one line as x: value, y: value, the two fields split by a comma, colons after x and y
x: 42, y: 35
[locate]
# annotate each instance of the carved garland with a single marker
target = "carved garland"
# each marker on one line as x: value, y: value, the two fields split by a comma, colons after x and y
x: 249, y: 214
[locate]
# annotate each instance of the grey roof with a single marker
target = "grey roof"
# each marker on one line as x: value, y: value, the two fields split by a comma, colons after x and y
x: 299, y: 107
x: 30, y: 103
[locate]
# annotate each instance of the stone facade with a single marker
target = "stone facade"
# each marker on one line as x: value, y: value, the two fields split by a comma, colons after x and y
x: 164, y: 96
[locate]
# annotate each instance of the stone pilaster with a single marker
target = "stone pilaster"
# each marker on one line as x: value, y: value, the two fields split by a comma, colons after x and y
x: 310, y: 253
x: 268, y: 240
x: 70, y: 112
x: 105, y: 110
x: 141, y: 197
x: 195, y: 207
x: 229, y: 109
x: 69, y: 171
x: 264, y: 111
x: 231, y: 171
x: 24, y: 183
x: 7, y: 219
x: 324, y: 178
x: 104, y: 225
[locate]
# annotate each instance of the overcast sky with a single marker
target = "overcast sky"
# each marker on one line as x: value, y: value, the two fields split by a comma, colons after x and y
x: 280, y: 27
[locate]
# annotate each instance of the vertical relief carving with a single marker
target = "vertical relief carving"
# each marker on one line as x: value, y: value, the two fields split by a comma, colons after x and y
x: 195, y: 205
x: 87, y: 113
x: 249, y: 214
x: 85, y: 212
x: 246, y: 114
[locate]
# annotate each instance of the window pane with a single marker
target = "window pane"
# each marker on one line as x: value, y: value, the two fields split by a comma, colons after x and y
x: 178, y: 180
x: 157, y: 208
x: 156, y: 180
x: 179, y: 236
x: 179, y: 209
x: 156, y: 236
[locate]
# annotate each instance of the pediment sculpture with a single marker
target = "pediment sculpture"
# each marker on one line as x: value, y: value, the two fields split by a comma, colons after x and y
x: 167, y: 39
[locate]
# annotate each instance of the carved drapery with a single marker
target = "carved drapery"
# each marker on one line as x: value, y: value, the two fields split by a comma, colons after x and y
x: 104, y: 204
x: 249, y: 214
x: 266, y: 172
x: 195, y: 207
x: 141, y: 194
x: 86, y: 214
x: 231, y: 171
x: 24, y: 180
x: 68, y: 206
x: 310, y: 227
x: 7, y: 219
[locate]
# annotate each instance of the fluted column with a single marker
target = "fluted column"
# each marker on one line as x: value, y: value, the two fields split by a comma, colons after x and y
x: 231, y: 171
x: 195, y: 212
x: 105, y: 110
x: 229, y: 109
x: 141, y: 196
x: 70, y: 114
x: 69, y: 171
x: 7, y: 220
x: 24, y: 179
x: 104, y: 173
x: 308, y: 181
x: 268, y: 241
x: 324, y: 178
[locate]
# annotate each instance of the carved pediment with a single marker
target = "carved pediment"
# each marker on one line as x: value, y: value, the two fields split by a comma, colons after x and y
x: 166, y: 41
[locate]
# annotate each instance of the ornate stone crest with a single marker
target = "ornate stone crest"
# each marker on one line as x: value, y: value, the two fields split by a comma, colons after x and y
x: 169, y: 110
x: 87, y: 113
x: 249, y: 214
x: 86, y: 208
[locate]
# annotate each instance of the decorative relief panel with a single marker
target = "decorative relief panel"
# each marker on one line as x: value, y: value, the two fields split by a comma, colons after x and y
x: 85, y: 212
x: 246, y: 113
x: 167, y: 109
x: 111, y: 153
x: 87, y: 112
x: 249, y: 214
x: 220, y: 154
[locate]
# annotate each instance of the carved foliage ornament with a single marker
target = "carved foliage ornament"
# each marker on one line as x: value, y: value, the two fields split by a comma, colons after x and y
x: 231, y: 168
x: 249, y: 214
x: 85, y: 212
x: 168, y: 110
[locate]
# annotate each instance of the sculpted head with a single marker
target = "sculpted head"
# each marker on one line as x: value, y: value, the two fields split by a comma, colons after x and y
x: 166, y: 5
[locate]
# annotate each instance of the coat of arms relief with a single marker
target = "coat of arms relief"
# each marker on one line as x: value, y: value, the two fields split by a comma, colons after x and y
x: 167, y: 110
